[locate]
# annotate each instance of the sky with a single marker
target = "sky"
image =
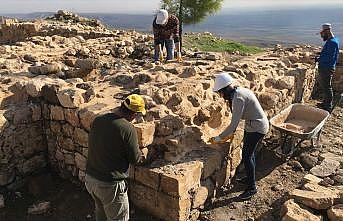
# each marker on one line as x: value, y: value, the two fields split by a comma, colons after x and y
x: 140, y: 6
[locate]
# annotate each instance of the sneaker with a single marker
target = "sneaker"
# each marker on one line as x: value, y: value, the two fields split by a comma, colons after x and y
x: 247, y: 194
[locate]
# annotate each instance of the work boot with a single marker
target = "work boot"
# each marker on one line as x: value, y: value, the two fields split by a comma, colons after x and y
x: 247, y: 194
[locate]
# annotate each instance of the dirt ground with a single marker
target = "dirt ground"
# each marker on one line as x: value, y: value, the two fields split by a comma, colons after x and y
x: 275, y: 178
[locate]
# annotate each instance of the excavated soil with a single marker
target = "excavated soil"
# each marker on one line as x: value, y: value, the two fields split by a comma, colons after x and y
x: 275, y: 178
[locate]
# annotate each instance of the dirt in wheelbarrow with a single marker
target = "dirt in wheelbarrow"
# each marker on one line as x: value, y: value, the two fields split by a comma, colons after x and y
x: 274, y: 179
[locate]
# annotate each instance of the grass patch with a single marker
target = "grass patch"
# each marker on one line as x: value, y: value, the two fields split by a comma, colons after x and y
x: 211, y: 43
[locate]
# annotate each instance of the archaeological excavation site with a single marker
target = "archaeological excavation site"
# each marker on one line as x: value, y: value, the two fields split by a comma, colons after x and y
x: 59, y: 73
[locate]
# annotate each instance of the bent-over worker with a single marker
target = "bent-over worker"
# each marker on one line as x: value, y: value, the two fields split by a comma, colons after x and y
x: 244, y: 105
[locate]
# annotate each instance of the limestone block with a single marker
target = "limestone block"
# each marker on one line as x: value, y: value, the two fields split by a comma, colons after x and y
x: 56, y: 113
x: 268, y: 100
x: 81, y: 137
x: 177, y: 180
x: 200, y: 196
x: 22, y: 115
x: 59, y: 155
x: 87, y: 64
x: 36, y: 111
x: 309, y: 178
x: 49, y: 93
x: 326, y: 168
x: 211, y: 160
x: 65, y: 143
x: 68, y: 130
x: 144, y: 197
x: 331, y: 156
x: 34, y: 87
x: 173, y: 208
x: 147, y: 176
x: 145, y: 132
x: 321, y: 189
x: 88, y: 114
x: 69, y: 158
x: 80, y: 161
x: 315, y: 200
x: 71, y: 116
x: 335, y: 213
x: 291, y: 211
x: 71, y: 97
x: 55, y: 127
x: 168, y: 125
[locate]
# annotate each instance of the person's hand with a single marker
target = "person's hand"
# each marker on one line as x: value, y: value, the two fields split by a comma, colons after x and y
x: 219, y: 140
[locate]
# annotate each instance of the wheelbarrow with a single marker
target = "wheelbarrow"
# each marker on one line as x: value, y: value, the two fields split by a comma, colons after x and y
x: 298, y: 123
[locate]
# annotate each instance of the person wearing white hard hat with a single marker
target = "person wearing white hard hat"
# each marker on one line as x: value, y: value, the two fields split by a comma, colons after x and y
x: 166, y: 34
x: 327, y: 64
x: 243, y: 105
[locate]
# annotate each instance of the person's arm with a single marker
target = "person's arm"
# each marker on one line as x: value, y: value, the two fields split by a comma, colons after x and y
x: 237, y: 112
x: 134, y: 154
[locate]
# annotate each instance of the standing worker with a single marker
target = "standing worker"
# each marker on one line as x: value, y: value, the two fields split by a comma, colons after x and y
x: 113, y: 145
x: 327, y: 65
x: 166, y: 33
x: 243, y: 105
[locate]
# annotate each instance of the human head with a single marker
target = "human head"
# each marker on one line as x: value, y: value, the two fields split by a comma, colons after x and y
x: 134, y: 104
x: 326, y: 32
x: 223, y: 85
x: 162, y: 17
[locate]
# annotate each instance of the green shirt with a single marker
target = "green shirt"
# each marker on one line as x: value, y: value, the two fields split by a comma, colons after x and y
x: 113, y: 145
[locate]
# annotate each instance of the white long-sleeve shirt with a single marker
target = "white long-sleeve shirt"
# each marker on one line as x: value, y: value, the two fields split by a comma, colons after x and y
x: 245, y: 106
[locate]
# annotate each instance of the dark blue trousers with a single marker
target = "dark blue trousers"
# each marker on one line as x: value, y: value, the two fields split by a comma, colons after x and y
x: 250, y: 143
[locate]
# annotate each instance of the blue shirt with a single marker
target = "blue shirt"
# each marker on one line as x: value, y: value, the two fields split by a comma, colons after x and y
x: 329, y: 55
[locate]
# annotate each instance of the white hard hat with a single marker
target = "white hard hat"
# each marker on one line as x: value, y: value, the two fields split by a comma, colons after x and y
x: 162, y: 17
x: 222, y: 80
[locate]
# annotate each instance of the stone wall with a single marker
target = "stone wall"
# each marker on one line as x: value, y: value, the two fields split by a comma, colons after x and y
x: 22, y: 138
x: 49, y: 119
x: 337, y: 81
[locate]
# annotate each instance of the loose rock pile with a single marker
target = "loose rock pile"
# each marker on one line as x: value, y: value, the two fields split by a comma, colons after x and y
x: 57, y: 78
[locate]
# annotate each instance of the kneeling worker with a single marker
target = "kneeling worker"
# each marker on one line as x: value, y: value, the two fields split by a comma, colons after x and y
x: 113, y: 145
x: 244, y: 105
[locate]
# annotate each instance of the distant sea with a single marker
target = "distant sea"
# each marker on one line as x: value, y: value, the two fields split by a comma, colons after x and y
x: 255, y: 27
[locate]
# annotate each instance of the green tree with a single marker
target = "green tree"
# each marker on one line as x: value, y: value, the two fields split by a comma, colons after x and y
x: 191, y: 11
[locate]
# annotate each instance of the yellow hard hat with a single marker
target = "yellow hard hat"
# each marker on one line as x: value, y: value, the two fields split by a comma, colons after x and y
x: 135, y: 103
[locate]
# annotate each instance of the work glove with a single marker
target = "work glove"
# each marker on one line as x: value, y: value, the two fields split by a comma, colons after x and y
x: 219, y: 140
x: 178, y: 57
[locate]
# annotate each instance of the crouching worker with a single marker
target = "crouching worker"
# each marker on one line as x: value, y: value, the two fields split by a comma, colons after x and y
x: 113, y: 145
x: 166, y: 33
x: 244, y: 105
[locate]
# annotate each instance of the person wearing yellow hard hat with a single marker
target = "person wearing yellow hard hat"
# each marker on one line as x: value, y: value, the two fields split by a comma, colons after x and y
x: 243, y: 105
x: 113, y: 146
